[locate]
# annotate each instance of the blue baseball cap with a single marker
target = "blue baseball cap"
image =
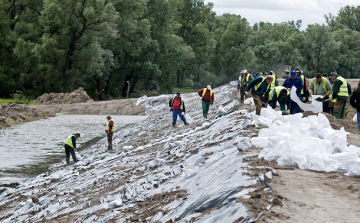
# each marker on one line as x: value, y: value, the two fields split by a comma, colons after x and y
x: 293, y: 73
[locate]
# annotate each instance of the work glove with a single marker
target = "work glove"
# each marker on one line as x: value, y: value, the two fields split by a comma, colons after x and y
x: 171, y: 109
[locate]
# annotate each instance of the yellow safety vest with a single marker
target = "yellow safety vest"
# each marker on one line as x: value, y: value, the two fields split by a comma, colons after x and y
x: 303, y: 82
x: 273, y: 82
x: 68, y: 141
x: 343, y: 91
x: 277, y: 89
x: 258, y: 85
x: 247, y: 78
x: 204, y: 91
x: 330, y: 96
x: 323, y: 80
x: 107, y: 125
x: 181, y: 103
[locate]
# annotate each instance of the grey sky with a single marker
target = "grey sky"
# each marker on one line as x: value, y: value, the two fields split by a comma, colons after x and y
x: 276, y: 11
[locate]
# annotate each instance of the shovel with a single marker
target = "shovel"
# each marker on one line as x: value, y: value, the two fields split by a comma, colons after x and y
x: 322, y: 99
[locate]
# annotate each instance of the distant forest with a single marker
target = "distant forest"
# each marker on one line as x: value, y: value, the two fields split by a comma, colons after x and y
x: 104, y: 45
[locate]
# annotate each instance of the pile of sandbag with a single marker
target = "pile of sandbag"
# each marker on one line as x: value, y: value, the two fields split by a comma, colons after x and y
x: 306, y: 143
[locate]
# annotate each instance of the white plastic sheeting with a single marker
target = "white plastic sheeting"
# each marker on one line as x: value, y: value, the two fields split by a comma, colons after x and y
x: 149, y: 158
x: 315, y: 106
x: 306, y: 143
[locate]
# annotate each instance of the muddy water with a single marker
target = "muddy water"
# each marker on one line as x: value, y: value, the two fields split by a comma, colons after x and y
x: 28, y: 149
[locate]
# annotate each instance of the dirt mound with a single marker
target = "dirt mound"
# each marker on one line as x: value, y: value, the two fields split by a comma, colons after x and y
x: 12, y: 114
x: 77, y: 96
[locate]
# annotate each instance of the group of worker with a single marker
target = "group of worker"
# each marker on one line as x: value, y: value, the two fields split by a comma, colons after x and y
x: 266, y: 90
x: 70, y: 142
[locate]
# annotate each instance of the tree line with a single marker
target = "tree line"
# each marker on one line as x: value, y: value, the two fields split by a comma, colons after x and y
x: 108, y: 46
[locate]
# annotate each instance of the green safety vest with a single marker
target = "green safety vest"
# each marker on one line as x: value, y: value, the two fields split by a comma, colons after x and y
x: 68, y: 141
x: 277, y: 89
x: 107, y: 125
x: 247, y: 78
x: 258, y: 85
x: 323, y: 80
x: 343, y: 88
x: 273, y: 82
x: 181, y: 103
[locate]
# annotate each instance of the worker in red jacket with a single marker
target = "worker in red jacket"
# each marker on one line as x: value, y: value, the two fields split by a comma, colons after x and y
x: 207, y: 97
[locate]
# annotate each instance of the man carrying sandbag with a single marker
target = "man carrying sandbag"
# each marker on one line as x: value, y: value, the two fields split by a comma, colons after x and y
x: 281, y: 95
x: 260, y: 88
x: 207, y: 99
x: 321, y: 86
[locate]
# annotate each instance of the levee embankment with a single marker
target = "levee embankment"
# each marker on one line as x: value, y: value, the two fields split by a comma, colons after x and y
x: 112, y: 107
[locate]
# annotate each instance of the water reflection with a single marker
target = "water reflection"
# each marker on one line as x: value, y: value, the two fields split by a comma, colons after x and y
x: 28, y: 149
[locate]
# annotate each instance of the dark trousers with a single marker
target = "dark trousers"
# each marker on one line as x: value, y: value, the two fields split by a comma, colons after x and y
x: 178, y: 113
x: 326, y: 107
x: 205, y: 107
x: 242, y: 95
x: 294, y: 107
x: 109, y: 137
x: 69, y: 150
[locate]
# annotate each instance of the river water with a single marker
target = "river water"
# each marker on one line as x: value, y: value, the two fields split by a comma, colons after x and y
x: 30, y: 148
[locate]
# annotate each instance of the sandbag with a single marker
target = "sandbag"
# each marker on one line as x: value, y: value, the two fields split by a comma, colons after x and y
x: 189, y: 119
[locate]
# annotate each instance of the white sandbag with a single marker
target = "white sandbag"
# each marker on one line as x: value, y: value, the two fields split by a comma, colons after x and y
x: 260, y: 141
x: 321, y: 162
x: 317, y: 104
x: 355, y: 118
x: 249, y: 101
x: 221, y: 111
x: 346, y: 159
x: 78, y: 157
x: 354, y: 169
x: 189, y: 119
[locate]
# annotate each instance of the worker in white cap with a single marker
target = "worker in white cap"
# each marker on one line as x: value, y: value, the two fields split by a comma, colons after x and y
x: 244, y: 80
x: 207, y: 99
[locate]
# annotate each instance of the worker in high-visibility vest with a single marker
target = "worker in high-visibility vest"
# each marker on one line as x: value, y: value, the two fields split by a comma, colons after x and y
x: 321, y: 86
x: 331, y: 101
x: 260, y: 88
x: 70, y: 147
x: 341, y: 92
x: 109, y: 129
x: 244, y: 80
x: 281, y: 95
x: 207, y: 99
x: 177, y: 107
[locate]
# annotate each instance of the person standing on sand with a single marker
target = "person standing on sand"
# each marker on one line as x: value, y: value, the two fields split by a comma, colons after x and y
x: 355, y: 102
x: 177, y: 106
x: 109, y: 129
x: 70, y: 147
x: 207, y: 97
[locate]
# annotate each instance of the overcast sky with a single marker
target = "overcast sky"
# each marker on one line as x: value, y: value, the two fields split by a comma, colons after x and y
x: 276, y: 11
